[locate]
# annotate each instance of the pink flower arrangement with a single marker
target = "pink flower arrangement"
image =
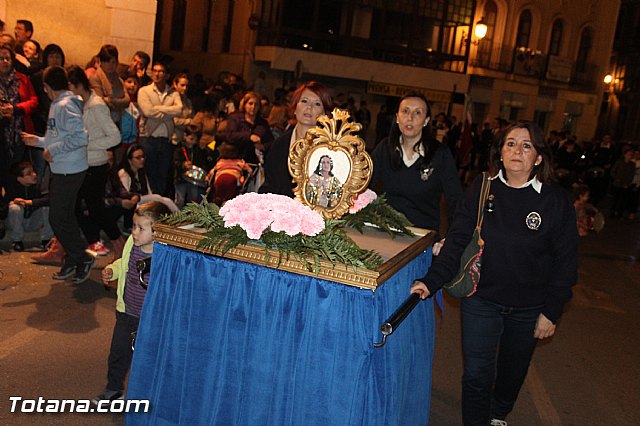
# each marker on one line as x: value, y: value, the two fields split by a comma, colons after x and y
x: 255, y: 213
x: 362, y: 200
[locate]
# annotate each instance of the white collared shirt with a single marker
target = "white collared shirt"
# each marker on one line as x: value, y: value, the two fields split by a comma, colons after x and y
x: 535, y: 183
x: 409, y: 161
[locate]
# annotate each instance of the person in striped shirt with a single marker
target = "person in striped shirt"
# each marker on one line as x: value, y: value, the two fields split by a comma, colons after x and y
x: 131, y: 295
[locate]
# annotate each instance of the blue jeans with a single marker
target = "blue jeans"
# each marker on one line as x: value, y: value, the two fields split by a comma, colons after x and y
x: 18, y: 224
x: 158, y: 157
x: 497, y: 344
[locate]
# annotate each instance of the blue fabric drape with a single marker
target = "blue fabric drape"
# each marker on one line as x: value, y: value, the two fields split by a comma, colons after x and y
x: 223, y: 342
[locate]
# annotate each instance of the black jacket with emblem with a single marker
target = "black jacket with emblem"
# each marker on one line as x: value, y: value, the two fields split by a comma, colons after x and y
x: 525, y: 263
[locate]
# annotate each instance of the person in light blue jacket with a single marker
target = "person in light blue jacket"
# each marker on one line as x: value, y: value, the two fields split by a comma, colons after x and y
x: 65, y: 149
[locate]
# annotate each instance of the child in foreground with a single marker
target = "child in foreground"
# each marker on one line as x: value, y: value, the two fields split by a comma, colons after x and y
x: 131, y: 295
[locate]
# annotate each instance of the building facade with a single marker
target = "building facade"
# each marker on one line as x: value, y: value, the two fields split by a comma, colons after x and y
x: 620, y: 113
x: 541, y: 60
x: 80, y: 27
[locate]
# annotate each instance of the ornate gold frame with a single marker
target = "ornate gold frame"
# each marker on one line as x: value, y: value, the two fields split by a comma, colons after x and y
x: 338, y: 137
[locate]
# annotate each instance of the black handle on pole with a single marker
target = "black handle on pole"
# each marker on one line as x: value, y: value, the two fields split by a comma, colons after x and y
x: 144, y: 267
x: 394, y: 321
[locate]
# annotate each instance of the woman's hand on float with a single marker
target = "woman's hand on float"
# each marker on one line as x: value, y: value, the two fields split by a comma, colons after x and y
x: 437, y: 246
x: 544, y: 327
x: 420, y: 288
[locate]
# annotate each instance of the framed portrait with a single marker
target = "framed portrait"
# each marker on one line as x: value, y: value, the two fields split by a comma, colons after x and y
x: 330, y: 165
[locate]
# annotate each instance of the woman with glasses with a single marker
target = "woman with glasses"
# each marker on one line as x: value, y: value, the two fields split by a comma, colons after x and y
x: 159, y: 104
x: 134, y: 181
x: 414, y: 169
x: 136, y: 186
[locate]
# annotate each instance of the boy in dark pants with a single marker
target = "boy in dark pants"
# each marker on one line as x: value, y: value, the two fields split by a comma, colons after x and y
x: 131, y: 295
x: 65, y: 149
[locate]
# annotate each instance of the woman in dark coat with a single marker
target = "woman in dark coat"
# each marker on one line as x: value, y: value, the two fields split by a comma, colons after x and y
x: 308, y: 102
x: 248, y: 131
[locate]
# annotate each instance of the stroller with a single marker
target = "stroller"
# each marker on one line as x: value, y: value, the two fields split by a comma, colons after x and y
x: 227, y: 183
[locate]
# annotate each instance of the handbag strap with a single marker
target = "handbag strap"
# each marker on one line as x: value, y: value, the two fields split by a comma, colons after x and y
x: 484, y: 194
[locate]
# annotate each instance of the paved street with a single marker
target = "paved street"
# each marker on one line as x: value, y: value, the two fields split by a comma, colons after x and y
x: 55, y: 336
x: 588, y: 373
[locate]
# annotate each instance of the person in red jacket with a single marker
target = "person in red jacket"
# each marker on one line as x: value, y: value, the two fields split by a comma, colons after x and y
x: 17, y: 101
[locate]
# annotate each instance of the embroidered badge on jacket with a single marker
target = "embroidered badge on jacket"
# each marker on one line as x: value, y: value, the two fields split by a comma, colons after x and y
x: 533, y: 220
x: 426, y: 173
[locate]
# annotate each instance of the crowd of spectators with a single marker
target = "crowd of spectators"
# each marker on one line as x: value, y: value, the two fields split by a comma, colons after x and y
x: 150, y: 131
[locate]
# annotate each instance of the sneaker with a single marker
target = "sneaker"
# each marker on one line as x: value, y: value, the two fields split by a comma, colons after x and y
x: 65, y: 272
x: 107, y: 395
x: 17, y: 246
x: 45, y: 244
x: 98, y: 249
x: 83, y: 270
x: 53, y: 256
x: 498, y: 422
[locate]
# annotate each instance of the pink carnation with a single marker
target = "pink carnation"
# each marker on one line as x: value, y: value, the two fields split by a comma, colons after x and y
x: 255, y: 213
x: 362, y: 200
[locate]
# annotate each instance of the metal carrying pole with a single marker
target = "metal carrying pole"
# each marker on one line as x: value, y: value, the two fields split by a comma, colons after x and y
x: 394, y: 321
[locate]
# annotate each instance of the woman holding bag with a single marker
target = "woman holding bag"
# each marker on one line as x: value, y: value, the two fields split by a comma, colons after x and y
x: 529, y: 264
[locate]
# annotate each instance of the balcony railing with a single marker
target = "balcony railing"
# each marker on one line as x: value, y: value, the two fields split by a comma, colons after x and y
x: 355, y: 47
x: 535, y: 64
x: 493, y: 56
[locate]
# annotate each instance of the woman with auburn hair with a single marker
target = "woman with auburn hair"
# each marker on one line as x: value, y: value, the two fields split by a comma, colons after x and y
x: 308, y: 102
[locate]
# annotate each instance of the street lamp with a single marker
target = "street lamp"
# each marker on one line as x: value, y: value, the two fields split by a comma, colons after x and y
x: 612, y: 101
x: 481, y: 29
